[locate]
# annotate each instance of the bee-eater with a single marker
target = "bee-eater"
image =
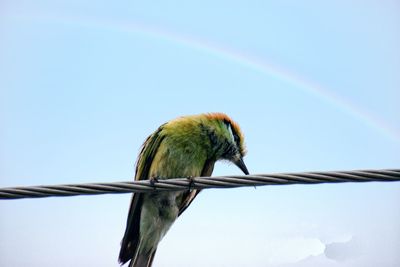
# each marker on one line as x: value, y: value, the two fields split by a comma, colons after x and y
x: 187, y: 146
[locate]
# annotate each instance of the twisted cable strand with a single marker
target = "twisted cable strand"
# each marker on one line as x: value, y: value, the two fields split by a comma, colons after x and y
x: 200, y: 183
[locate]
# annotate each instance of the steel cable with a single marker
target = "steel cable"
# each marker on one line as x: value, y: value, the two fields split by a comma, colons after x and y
x: 160, y: 184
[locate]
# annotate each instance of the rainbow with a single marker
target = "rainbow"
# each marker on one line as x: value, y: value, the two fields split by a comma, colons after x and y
x: 234, y: 56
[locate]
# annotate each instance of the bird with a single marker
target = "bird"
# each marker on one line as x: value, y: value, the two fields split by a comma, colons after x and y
x: 187, y: 146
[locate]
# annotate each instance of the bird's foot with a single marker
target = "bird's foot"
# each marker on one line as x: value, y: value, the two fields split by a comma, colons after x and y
x: 191, y: 182
x: 153, y: 180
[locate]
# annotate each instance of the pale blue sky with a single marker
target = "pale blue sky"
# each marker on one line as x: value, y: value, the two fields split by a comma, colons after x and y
x: 314, y: 86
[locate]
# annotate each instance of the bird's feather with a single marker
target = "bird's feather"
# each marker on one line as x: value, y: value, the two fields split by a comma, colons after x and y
x: 130, y: 240
x: 191, y: 195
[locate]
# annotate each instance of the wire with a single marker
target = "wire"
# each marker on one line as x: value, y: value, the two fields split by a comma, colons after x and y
x: 160, y: 184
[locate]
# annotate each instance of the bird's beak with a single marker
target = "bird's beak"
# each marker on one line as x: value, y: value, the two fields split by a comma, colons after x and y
x: 239, y: 162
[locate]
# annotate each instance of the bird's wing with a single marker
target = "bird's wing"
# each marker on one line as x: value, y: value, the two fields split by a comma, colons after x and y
x: 191, y: 195
x: 130, y: 240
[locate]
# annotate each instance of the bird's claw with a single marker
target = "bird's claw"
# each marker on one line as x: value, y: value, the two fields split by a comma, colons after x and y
x: 191, y: 182
x: 153, y: 181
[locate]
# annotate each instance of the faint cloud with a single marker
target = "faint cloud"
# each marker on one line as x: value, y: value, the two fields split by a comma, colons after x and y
x: 288, y: 250
x: 342, y: 251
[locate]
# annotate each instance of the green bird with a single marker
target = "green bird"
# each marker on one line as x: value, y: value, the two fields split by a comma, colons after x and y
x: 187, y: 146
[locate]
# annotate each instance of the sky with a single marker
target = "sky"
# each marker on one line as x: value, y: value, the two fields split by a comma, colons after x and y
x: 314, y: 85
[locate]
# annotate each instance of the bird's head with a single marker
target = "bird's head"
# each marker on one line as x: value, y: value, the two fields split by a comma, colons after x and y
x: 226, y: 138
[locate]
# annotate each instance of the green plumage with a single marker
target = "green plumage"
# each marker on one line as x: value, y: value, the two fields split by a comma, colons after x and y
x: 185, y: 147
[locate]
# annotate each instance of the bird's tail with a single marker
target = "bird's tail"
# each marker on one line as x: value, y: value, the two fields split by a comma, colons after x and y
x: 143, y: 259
